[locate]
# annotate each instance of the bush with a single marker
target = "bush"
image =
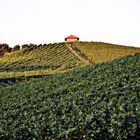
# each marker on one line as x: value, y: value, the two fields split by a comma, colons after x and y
x: 16, y: 48
x: 4, y: 48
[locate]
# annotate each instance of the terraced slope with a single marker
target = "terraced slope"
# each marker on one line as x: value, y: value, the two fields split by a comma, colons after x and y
x: 96, y: 102
x: 41, y: 59
x: 82, y: 58
x: 99, y: 52
x: 59, y: 57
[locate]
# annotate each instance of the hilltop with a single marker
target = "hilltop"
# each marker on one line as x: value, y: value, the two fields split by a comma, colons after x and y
x: 99, y: 101
x: 58, y: 57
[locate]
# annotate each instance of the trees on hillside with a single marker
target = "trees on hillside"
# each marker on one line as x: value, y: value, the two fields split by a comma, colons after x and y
x: 16, y: 48
x: 4, y: 48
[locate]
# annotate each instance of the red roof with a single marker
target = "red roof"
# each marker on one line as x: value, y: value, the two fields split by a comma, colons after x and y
x: 72, y: 37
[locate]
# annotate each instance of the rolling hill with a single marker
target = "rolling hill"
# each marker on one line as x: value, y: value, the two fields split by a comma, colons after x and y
x: 99, y: 101
x: 99, y: 52
x: 42, y: 59
x: 59, y: 57
x: 63, y: 91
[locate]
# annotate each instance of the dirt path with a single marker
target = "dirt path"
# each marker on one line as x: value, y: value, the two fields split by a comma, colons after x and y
x: 81, y: 54
x: 75, y: 51
x: 77, y: 59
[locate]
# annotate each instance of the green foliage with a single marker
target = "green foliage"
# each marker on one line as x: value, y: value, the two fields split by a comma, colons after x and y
x: 99, y: 102
x: 29, y: 68
x: 35, y: 58
x: 99, y: 52
x: 38, y: 59
x: 16, y: 48
x: 4, y: 48
x: 69, y: 46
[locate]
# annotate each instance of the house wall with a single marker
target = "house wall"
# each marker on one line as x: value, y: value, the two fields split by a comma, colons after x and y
x: 71, y: 40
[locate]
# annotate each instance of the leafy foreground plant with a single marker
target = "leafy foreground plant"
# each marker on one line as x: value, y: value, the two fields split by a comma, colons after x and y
x: 97, y: 102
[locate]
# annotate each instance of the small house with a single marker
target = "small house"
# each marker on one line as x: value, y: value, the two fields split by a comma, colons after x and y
x: 72, y: 38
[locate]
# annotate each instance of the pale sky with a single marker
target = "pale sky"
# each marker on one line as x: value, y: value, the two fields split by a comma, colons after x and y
x: 49, y: 21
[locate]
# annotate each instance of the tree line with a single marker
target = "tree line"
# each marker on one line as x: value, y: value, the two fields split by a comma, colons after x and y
x: 4, y: 47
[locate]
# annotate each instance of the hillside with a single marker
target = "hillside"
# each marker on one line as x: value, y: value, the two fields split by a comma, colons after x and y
x: 99, y: 52
x: 58, y: 57
x: 94, y: 102
x: 34, y: 60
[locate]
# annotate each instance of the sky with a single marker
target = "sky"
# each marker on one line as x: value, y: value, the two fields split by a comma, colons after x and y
x: 49, y: 21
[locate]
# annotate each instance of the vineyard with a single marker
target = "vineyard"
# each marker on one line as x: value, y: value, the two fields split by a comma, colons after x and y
x: 100, y: 52
x: 35, y: 60
x: 56, y: 58
x: 95, y: 102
